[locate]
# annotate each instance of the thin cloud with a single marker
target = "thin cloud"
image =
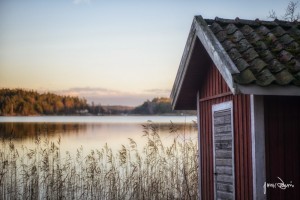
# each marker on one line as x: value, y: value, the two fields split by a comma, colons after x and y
x: 106, y: 96
x: 164, y: 92
x: 129, y: 100
x: 89, y: 91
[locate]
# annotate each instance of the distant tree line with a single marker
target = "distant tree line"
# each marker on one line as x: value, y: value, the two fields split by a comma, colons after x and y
x: 158, y: 106
x: 29, y: 102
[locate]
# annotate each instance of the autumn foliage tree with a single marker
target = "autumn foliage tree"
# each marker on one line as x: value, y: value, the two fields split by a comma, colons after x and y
x: 29, y: 102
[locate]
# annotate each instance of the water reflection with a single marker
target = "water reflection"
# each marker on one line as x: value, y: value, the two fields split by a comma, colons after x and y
x: 91, y: 135
x: 21, y: 131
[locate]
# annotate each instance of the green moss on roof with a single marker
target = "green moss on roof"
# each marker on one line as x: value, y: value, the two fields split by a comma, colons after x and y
x: 265, y: 52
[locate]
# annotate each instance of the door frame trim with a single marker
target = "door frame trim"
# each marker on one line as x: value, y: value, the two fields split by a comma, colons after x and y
x: 218, y: 107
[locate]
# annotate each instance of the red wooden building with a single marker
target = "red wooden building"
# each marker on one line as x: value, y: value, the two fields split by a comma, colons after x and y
x: 243, y: 77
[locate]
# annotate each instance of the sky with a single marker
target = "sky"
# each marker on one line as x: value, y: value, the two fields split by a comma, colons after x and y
x: 111, y: 52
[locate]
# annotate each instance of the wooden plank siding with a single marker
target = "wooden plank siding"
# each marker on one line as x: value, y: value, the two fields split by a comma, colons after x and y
x: 282, y: 127
x: 213, y: 91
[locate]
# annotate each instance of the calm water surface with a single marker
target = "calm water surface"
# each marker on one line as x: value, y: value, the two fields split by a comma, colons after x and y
x: 92, y: 132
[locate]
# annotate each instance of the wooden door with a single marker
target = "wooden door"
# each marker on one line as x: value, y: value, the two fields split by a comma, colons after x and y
x: 223, y: 150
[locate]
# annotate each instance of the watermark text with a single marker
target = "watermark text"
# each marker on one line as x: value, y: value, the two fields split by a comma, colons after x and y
x: 280, y: 185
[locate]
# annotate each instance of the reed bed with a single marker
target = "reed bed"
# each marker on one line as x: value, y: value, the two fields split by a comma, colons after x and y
x: 156, y: 172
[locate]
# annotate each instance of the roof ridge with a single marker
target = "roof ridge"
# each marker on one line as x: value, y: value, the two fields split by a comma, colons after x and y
x: 255, y: 22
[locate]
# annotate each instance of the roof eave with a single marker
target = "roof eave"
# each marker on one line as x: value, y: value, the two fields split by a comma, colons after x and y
x: 215, y: 50
x: 276, y: 90
x: 184, y: 63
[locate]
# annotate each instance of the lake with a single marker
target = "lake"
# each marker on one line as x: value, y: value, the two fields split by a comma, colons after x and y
x: 93, y: 132
x: 67, y: 157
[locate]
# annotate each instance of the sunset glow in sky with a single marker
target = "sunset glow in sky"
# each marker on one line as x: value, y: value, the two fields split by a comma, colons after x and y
x: 109, y: 51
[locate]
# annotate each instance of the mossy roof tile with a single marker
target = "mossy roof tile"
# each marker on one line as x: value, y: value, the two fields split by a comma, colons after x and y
x: 265, y: 52
x: 265, y: 78
x: 284, y: 77
x: 257, y: 65
x: 243, y: 45
x: 234, y: 54
x: 228, y: 45
x: 275, y: 66
x: 241, y: 64
x: 278, y: 31
x: 286, y: 39
x: 263, y: 30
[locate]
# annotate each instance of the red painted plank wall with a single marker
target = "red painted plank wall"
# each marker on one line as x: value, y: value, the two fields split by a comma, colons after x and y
x: 214, y: 90
x: 282, y: 126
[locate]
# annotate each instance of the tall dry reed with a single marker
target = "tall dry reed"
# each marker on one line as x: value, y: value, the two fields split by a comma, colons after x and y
x: 156, y: 172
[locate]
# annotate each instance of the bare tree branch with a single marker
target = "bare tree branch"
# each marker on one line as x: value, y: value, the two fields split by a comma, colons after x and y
x: 290, y: 12
x: 272, y: 14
